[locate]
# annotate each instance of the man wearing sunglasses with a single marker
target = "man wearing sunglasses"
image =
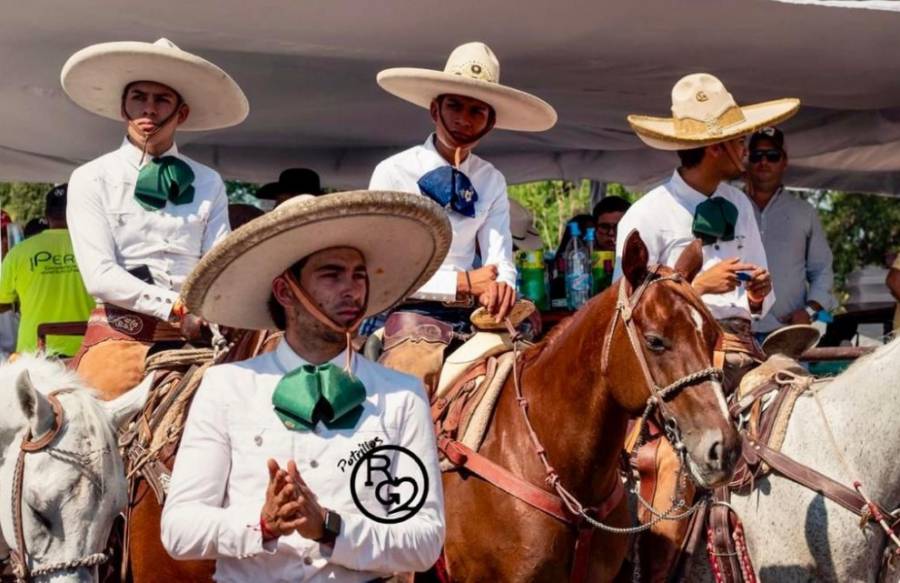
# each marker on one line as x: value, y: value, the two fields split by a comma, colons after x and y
x: 607, y: 214
x: 797, y: 250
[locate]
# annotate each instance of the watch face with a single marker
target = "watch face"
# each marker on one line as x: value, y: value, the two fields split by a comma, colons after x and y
x: 333, y: 522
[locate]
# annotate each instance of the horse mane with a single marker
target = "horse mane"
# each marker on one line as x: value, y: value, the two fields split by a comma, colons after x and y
x: 47, y: 374
x: 884, y: 358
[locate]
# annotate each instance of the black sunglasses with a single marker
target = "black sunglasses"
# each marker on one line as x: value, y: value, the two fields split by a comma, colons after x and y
x: 608, y: 227
x: 772, y: 156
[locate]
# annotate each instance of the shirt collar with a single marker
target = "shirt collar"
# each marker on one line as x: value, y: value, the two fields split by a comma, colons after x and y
x: 429, y: 145
x: 685, y: 192
x: 289, y: 360
x: 132, y: 154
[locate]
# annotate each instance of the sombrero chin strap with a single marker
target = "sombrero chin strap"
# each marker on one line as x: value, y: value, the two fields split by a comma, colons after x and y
x: 319, y: 315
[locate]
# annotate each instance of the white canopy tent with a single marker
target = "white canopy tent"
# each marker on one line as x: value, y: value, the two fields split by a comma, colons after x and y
x: 309, y: 66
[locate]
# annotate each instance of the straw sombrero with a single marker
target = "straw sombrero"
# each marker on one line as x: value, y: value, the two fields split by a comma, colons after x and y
x: 472, y: 70
x: 705, y: 113
x: 403, y: 237
x: 95, y: 78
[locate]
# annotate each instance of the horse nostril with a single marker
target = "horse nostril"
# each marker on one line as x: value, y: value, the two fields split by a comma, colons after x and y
x: 715, y: 453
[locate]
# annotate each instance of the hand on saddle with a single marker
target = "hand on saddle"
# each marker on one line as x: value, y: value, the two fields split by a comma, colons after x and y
x: 498, y: 300
x: 477, y: 281
x: 722, y: 277
x: 290, y: 505
x: 191, y: 326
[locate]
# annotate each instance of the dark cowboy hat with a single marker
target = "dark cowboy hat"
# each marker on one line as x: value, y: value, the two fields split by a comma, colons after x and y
x: 292, y: 181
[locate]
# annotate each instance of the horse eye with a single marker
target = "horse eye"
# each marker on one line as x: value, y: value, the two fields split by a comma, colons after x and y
x: 656, y: 343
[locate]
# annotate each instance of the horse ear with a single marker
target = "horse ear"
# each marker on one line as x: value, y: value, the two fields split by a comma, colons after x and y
x: 125, y: 407
x: 34, y: 405
x: 634, y: 259
x: 691, y: 260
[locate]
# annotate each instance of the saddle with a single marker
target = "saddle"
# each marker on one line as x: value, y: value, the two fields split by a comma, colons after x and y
x: 463, y: 412
x: 150, y: 442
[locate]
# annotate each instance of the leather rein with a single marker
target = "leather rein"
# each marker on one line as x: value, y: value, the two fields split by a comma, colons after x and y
x: 19, y: 556
x: 563, y: 505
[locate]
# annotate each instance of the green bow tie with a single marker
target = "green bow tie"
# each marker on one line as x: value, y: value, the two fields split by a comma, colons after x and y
x: 323, y: 393
x: 715, y: 220
x: 164, y: 179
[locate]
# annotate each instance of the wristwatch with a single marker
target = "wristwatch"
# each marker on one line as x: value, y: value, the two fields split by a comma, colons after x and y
x: 812, y: 313
x: 332, y: 528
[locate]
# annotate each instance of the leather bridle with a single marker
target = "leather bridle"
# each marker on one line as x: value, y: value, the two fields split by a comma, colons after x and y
x: 657, y: 401
x: 19, y: 556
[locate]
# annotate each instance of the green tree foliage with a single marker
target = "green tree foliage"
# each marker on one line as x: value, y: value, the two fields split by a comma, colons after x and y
x: 862, y: 229
x: 23, y: 200
x: 553, y: 202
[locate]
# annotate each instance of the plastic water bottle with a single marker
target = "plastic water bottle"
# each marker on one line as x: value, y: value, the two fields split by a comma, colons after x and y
x: 578, y: 270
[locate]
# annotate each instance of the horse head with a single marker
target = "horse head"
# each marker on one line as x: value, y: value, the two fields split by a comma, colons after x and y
x: 670, y: 346
x: 73, y: 486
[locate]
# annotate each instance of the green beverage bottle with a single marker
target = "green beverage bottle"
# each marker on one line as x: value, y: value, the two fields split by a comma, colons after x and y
x: 603, y: 266
x: 596, y: 264
x: 533, y: 280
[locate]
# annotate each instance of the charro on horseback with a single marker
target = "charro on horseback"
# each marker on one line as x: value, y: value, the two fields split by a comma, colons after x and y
x: 243, y: 462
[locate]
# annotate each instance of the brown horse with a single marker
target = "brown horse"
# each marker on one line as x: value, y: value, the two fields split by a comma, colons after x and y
x: 579, y: 409
x: 148, y: 561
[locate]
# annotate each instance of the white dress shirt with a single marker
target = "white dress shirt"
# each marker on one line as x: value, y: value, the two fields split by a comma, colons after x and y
x: 799, y: 257
x: 219, y: 481
x: 664, y: 217
x: 489, y: 227
x: 112, y: 233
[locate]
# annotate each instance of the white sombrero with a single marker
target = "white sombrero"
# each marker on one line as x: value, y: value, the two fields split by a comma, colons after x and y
x: 403, y: 237
x: 705, y: 113
x: 472, y: 70
x: 95, y: 78
x: 521, y: 225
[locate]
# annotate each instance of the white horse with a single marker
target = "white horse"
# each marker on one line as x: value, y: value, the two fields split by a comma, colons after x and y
x: 72, y: 489
x: 794, y: 534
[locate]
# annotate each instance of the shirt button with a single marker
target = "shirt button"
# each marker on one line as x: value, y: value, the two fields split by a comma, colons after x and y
x: 168, y: 301
x: 313, y: 464
x: 257, y: 440
x: 307, y: 561
x: 146, y: 296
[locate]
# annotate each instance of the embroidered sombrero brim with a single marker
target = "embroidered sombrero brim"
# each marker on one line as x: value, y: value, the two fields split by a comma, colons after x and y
x: 95, y: 78
x: 515, y: 109
x: 661, y: 133
x: 404, y: 238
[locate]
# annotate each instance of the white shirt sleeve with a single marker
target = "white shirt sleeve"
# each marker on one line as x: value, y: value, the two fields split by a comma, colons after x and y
x: 194, y: 523
x: 383, y: 178
x: 495, y: 238
x: 632, y: 221
x: 95, y: 253
x: 754, y: 253
x: 412, y: 545
x: 217, y: 226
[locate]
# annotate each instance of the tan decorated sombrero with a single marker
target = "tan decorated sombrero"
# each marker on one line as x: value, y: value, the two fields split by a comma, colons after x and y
x: 403, y: 237
x: 472, y: 70
x: 95, y: 78
x: 705, y: 113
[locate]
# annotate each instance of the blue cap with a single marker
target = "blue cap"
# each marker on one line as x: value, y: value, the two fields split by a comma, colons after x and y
x: 590, y: 234
x: 574, y: 230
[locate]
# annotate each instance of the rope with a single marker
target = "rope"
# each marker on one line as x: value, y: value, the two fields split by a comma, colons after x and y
x: 857, y: 483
